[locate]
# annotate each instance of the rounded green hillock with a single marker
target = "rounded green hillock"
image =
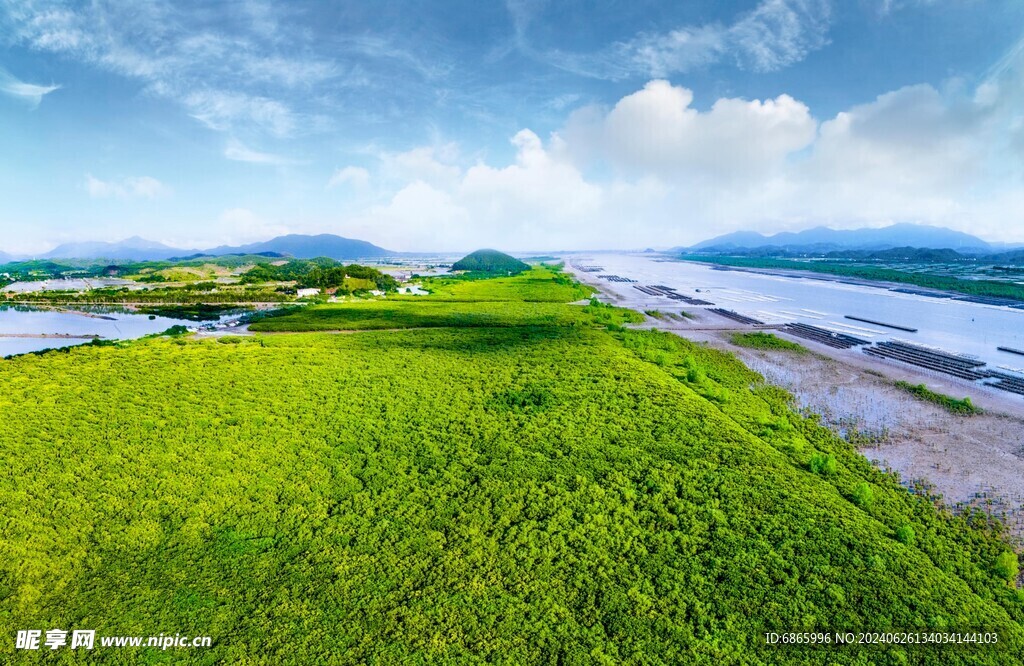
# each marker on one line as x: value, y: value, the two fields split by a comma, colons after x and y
x: 490, y: 261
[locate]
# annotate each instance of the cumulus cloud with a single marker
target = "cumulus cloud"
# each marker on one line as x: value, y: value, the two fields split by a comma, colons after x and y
x: 136, y: 187
x: 434, y: 164
x: 537, y: 188
x: 539, y: 198
x: 656, y: 130
x: 654, y: 170
x: 30, y: 93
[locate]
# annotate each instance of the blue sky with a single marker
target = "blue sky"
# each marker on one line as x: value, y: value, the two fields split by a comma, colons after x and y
x: 523, y: 125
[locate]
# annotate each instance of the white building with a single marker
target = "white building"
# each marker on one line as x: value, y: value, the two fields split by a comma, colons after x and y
x: 306, y: 293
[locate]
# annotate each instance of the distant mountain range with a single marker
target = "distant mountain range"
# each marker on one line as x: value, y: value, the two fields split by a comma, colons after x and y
x: 308, y: 247
x: 139, y: 249
x: 823, y: 239
x: 130, y: 249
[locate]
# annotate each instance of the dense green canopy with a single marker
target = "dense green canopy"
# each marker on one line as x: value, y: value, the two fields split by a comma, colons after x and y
x: 490, y: 261
x: 551, y: 489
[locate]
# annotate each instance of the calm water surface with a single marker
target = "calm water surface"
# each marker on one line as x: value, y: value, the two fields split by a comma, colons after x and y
x: 957, y: 326
x: 113, y: 326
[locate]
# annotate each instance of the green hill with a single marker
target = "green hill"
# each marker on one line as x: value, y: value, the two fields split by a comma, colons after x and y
x: 543, y: 487
x: 490, y: 261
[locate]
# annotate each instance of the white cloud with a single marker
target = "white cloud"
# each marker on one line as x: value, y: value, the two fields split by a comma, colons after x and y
x: 435, y: 164
x: 654, y: 170
x: 774, y: 35
x: 29, y: 92
x: 417, y: 216
x: 885, y: 7
x: 228, y: 80
x: 780, y: 33
x: 136, y: 187
x: 537, y: 188
x: 532, y: 200
x: 239, y: 152
x: 290, y: 72
x: 221, y: 111
x: 911, y: 140
x: 357, y: 177
x: 655, y: 130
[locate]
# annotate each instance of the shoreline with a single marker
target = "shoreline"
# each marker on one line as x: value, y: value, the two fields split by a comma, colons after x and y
x: 51, y: 336
x: 809, y: 274
x: 973, y: 460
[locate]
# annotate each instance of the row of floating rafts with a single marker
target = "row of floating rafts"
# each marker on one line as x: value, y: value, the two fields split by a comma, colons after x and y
x: 1008, y: 379
x: 939, y: 361
x: 961, y: 366
x: 689, y: 300
x: 955, y: 365
x: 669, y: 292
x: 824, y: 336
x: 968, y: 358
x: 736, y: 316
x: 881, y: 323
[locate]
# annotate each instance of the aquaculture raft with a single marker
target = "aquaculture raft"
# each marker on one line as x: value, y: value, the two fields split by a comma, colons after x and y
x: 1006, y: 382
x: 736, y: 316
x: 931, y: 359
x: 662, y: 290
x: 824, y: 336
x: 882, y: 323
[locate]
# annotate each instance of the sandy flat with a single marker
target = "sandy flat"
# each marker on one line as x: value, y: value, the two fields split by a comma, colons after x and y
x: 976, y: 460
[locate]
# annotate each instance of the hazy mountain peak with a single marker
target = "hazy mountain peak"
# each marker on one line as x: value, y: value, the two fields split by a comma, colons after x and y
x: 897, y: 235
x: 300, y: 246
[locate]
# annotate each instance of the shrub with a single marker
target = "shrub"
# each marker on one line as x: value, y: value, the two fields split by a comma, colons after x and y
x: 1007, y: 566
x: 905, y: 535
x: 962, y: 406
x: 823, y: 464
x: 862, y: 495
x: 761, y: 340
